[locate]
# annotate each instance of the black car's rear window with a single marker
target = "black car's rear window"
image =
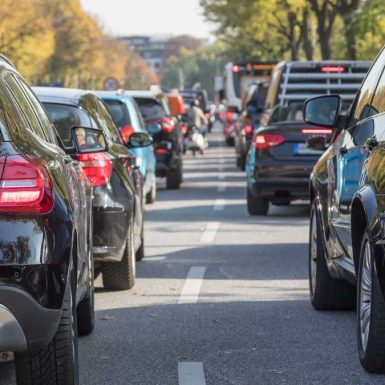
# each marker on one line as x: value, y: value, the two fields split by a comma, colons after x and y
x: 150, y: 109
x: 64, y: 117
x: 290, y: 113
x: 118, y: 111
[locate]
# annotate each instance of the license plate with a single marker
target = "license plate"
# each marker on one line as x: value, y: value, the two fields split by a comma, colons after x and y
x: 303, y: 149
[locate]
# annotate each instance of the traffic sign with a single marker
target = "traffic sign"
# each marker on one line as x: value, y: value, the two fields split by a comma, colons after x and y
x: 111, y: 84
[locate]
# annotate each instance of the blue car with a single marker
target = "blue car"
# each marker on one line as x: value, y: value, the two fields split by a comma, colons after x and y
x: 128, y: 119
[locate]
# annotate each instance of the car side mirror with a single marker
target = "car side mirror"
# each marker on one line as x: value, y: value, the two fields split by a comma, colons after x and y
x: 139, y: 139
x: 322, y: 110
x: 88, y: 139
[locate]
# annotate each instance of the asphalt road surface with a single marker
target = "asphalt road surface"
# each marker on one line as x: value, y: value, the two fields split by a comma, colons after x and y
x: 221, y: 299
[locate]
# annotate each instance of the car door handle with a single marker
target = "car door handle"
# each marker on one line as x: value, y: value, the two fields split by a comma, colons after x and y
x: 343, y: 150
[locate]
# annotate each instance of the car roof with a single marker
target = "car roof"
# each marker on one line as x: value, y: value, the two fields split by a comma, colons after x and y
x: 115, y: 95
x: 140, y: 94
x: 60, y: 95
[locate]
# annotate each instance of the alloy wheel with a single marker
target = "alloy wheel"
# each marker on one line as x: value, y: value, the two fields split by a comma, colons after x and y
x: 365, y: 300
x: 313, y: 252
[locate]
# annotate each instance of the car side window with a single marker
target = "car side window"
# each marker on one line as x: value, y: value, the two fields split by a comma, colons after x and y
x: 106, y: 119
x: 25, y: 106
x: 378, y: 103
x: 40, y: 113
x: 361, y: 107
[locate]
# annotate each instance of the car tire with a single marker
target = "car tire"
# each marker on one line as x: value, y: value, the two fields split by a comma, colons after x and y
x: 326, y: 293
x: 57, y: 364
x: 256, y: 205
x: 173, y: 179
x: 370, y: 312
x: 121, y: 275
x: 139, y: 255
x: 151, y: 195
x: 242, y: 161
x: 230, y: 142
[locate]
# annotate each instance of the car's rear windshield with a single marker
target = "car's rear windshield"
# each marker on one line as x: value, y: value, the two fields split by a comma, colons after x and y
x: 292, y: 113
x: 64, y: 117
x: 119, y: 112
x: 150, y: 109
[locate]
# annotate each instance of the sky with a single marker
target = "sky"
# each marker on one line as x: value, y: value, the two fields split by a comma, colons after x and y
x: 150, y: 17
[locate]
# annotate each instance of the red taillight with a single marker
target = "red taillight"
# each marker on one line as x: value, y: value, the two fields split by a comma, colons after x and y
x: 323, y: 131
x: 248, y: 129
x: 96, y: 166
x: 125, y: 132
x: 236, y: 68
x: 335, y: 69
x: 168, y: 124
x: 161, y: 151
x: 25, y: 186
x: 263, y: 141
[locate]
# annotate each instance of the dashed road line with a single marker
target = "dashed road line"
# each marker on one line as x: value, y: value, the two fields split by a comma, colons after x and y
x: 208, y: 235
x: 219, y: 204
x: 192, y: 285
x: 191, y: 373
x: 154, y: 259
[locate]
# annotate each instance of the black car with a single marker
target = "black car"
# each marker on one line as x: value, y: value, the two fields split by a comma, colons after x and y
x: 46, y: 276
x: 347, y: 223
x: 166, y: 133
x: 279, y: 161
x: 118, y: 203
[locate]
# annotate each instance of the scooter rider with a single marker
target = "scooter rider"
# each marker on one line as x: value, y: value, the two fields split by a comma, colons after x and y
x: 197, y: 118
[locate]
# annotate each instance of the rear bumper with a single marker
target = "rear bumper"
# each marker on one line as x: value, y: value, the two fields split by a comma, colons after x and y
x: 280, y: 190
x: 165, y: 163
x: 24, y: 324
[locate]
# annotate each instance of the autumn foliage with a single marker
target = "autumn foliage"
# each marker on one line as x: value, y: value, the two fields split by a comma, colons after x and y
x: 56, y: 41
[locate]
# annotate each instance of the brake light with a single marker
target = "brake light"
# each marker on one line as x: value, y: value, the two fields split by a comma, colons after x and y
x: 168, y: 124
x: 125, y: 132
x: 236, y: 68
x: 161, y: 151
x: 323, y: 131
x: 263, y: 141
x: 97, y: 167
x: 25, y: 186
x: 335, y: 69
x: 248, y: 129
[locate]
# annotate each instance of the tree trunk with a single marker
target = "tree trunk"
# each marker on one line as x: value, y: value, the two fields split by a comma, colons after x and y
x: 307, y: 35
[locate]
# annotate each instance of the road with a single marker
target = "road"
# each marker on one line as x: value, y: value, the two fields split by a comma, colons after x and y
x: 221, y: 299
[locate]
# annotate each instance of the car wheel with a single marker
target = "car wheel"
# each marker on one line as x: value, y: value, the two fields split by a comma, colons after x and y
x: 57, y: 364
x: 173, y: 179
x: 256, y: 205
x: 230, y: 141
x: 370, y: 312
x: 151, y: 195
x: 140, y: 252
x: 242, y: 161
x: 326, y: 293
x: 121, y: 275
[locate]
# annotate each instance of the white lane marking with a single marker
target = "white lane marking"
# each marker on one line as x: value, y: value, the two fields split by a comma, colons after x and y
x: 219, y: 204
x: 210, y: 232
x: 154, y: 259
x: 191, y: 373
x: 222, y: 187
x: 221, y: 176
x: 192, y: 285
